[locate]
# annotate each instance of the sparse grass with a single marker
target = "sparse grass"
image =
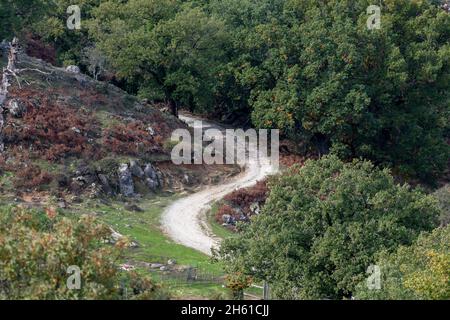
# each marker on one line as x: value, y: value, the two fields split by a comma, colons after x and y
x: 5, y: 179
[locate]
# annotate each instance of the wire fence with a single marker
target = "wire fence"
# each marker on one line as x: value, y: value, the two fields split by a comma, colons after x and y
x: 188, y: 276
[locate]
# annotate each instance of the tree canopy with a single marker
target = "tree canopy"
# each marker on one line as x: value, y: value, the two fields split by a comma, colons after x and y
x: 37, y: 248
x: 420, y: 271
x: 315, y: 71
x: 322, y: 226
x: 309, y: 68
x: 165, y: 49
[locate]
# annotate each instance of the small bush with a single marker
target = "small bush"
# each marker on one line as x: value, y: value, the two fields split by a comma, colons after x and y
x: 240, y: 202
x: 31, y: 176
x: 244, y: 198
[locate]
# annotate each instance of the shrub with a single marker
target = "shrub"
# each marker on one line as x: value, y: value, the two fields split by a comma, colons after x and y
x: 31, y: 176
x: 131, y: 139
x: 38, y: 246
x: 419, y: 271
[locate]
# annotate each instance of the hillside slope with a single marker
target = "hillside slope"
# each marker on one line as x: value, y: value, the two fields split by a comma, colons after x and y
x: 65, y: 133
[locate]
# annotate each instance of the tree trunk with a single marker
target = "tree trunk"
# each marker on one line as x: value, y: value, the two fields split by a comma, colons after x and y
x: 173, y: 107
x: 10, y: 69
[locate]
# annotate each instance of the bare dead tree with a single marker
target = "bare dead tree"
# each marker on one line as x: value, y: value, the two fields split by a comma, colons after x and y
x: 9, y: 70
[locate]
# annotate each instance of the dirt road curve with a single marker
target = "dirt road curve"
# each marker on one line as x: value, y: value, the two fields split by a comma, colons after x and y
x: 185, y: 219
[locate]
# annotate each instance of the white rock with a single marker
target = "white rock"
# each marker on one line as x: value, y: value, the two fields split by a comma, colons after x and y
x: 73, y: 69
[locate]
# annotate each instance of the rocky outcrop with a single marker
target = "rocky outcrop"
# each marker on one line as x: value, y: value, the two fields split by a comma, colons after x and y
x: 153, y: 179
x: 136, y: 170
x: 126, y: 181
x: 106, y: 186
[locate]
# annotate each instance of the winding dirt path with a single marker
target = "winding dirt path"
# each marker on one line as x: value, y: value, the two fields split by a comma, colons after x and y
x: 185, y: 220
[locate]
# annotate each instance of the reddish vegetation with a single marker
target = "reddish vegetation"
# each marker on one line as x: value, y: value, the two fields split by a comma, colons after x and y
x: 131, y: 139
x: 51, y: 131
x: 31, y: 176
x: 238, y: 204
x: 226, y: 210
x: 35, y: 47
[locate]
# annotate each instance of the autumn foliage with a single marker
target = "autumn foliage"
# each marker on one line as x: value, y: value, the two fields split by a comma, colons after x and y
x: 238, y: 204
x: 132, y: 138
x: 38, y: 246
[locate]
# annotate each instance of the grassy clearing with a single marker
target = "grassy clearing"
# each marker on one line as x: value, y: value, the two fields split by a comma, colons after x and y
x: 154, y: 246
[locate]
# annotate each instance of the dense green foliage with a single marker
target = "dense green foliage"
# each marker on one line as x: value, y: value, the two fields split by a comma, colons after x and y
x: 421, y: 271
x: 37, y: 248
x: 322, y: 226
x: 165, y: 50
x: 314, y: 70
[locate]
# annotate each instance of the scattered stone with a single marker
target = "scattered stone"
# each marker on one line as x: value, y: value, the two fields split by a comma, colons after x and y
x: 115, y: 236
x: 156, y: 265
x: 150, y: 172
x: 76, y: 130
x: 16, y: 108
x: 76, y: 199
x: 133, y: 207
x: 134, y: 245
x: 163, y: 268
x: 94, y: 191
x: 62, y: 204
x: 151, y: 131
x: 171, y: 262
x: 153, y: 178
x: 228, y: 220
x: 255, y: 208
x: 187, y: 180
x: 73, y: 69
x: 126, y: 181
